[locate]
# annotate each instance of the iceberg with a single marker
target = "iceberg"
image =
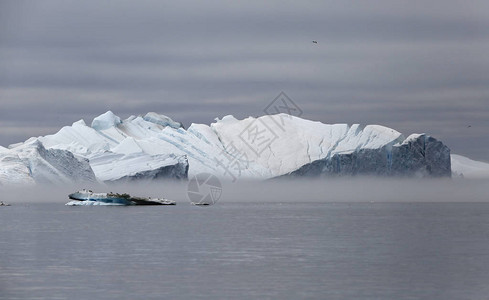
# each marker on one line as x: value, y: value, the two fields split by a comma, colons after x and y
x: 154, y: 147
x: 468, y: 168
x: 87, y: 197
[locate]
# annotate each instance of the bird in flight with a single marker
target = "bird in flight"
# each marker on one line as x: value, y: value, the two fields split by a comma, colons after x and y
x: 314, y: 42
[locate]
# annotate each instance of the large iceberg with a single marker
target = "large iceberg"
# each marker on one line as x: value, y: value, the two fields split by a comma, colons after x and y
x: 154, y: 146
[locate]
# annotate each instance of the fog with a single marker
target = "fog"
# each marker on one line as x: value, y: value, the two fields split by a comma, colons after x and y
x: 299, y: 190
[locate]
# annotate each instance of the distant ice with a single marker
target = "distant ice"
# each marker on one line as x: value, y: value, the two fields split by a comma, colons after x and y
x: 468, y: 168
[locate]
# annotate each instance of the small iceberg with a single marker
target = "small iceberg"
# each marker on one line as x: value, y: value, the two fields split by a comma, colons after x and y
x: 89, y: 203
x: 87, y: 197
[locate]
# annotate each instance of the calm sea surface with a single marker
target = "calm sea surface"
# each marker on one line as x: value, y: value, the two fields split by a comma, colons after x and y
x: 246, y: 251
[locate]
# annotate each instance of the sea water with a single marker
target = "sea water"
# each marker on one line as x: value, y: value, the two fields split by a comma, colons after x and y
x: 252, y: 250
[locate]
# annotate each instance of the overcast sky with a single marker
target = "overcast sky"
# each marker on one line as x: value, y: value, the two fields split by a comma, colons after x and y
x: 415, y: 66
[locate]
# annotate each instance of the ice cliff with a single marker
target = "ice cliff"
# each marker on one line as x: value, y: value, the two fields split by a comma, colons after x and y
x: 154, y: 146
x: 417, y: 156
x: 31, y: 163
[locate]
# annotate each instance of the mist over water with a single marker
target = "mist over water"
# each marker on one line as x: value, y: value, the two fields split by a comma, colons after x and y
x: 352, y: 189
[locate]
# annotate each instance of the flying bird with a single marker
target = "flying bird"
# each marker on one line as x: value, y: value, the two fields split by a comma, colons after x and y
x: 314, y: 42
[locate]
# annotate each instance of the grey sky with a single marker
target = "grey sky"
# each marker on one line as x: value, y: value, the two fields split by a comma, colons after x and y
x: 415, y: 66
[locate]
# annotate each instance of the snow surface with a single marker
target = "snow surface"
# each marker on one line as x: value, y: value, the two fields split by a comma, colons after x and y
x: 411, y: 138
x: 468, y: 168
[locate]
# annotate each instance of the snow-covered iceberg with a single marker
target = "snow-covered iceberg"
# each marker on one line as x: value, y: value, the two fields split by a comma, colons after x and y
x: 154, y: 146
x: 468, y: 168
x: 31, y: 162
